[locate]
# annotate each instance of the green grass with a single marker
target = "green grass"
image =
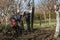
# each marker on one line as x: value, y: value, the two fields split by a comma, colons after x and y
x: 58, y: 38
x: 44, y: 25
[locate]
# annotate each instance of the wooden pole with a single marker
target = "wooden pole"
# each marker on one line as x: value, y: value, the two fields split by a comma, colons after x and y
x: 32, y: 17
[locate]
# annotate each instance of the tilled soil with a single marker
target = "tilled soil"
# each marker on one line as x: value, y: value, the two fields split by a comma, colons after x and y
x: 35, y: 35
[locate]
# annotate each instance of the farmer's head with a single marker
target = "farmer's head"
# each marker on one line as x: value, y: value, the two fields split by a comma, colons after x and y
x: 13, y: 22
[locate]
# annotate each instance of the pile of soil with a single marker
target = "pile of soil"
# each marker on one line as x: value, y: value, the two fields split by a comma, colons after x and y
x: 34, y: 35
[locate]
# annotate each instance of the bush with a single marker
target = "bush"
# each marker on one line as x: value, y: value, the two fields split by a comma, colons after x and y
x: 6, y: 29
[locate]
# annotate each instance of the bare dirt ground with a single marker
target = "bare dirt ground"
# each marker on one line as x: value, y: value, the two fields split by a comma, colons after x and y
x: 35, y: 35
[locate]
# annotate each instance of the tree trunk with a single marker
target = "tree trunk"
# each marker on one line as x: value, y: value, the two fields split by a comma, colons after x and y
x: 32, y: 18
x: 44, y: 17
x: 6, y: 18
x: 49, y: 19
x: 40, y: 20
x: 57, y: 25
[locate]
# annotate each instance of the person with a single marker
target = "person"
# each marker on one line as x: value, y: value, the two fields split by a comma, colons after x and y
x: 25, y: 8
x: 19, y: 20
x: 16, y: 29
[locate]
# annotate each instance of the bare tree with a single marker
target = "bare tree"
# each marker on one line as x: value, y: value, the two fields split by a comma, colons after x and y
x: 46, y: 6
x: 9, y: 8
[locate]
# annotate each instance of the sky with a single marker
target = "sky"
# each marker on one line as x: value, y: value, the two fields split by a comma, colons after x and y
x: 36, y: 2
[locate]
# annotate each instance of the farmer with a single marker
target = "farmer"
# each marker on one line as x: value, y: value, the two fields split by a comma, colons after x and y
x: 25, y: 8
x: 16, y: 29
